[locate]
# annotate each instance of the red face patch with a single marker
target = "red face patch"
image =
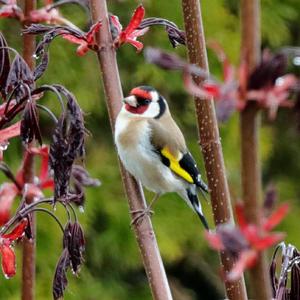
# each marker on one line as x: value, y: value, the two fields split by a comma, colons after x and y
x: 136, y: 110
x: 140, y: 93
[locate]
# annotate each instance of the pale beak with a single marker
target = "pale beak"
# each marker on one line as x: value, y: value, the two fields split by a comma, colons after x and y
x: 131, y: 100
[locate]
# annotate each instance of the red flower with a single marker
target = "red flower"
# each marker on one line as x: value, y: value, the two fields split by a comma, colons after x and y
x: 44, y: 181
x: 6, y: 134
x: 9, y: 191
x: 49, y: 15
x: 225, y: 93
x: 3, y: 107
x: 131, y: 32
x: 11, y: 10
x: 246, y: 241
x: 269, y: 84
x: 9, y: 132
x: 85, y: 41
x: 6, y: 250
x: 274, y: 96
x: 45, y: 15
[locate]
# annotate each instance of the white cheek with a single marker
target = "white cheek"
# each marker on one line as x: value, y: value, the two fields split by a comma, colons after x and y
x: 128, y: 114
x: 154, y: 96
x: 152, y: 111
x: 124, y: 111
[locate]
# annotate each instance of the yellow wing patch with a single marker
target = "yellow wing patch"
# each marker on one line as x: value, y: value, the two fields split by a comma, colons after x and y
x: 175, y: 167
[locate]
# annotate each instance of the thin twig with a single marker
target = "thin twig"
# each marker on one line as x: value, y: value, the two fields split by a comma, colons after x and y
x: 73, y: 211
x: 51, y: 214
x: 48, y: 111
x: 22, y: 213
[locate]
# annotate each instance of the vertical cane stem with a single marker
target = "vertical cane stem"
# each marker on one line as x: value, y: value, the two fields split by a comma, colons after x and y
x: 29, y: 247
x: 210, y: 139
x: 113, y: 91
x: 250, y: 122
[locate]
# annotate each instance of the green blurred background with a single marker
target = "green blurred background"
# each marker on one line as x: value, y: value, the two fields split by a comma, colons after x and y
x: 113, y: 268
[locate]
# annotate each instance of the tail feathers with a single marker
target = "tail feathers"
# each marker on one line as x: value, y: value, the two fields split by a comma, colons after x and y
x: 197, y: 207
x: 202, y: 186
x: 203, y: 220
x: 203, y: 194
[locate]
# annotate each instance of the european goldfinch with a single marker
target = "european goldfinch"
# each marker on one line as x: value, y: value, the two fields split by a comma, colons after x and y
x: 152, y: 148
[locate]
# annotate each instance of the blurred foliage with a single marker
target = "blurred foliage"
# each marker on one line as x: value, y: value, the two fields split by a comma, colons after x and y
x: 113, y: 268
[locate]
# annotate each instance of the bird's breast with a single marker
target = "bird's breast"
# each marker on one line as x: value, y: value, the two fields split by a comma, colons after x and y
x: 137, y: 154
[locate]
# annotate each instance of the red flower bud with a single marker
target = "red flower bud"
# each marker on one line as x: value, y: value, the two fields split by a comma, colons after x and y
x: 8, y: 260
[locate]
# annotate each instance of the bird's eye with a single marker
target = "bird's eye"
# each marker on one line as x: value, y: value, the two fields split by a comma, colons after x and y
x: 143, y: 101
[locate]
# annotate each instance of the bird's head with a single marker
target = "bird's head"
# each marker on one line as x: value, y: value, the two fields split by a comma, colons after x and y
x: 145, y: 102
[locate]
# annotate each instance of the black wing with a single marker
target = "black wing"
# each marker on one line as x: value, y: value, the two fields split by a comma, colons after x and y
x: 188, y: 163
x: 184, y: 166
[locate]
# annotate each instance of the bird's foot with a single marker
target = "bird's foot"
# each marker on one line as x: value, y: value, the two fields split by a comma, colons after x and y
x: 140, y: 214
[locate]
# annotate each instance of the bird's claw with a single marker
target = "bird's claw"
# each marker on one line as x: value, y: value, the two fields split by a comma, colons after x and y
x: 140, y: 215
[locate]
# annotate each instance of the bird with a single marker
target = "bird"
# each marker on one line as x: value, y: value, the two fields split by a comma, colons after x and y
x: 152, y: 148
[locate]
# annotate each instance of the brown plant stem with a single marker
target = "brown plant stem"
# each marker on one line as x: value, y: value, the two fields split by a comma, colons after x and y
x: 210, y: 139
x: 29, y: 246
x: 249, y: 127
x: 112, y: 86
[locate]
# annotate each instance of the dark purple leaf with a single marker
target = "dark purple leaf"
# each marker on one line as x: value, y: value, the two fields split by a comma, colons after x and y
x: 170, y: 61
x: 233, y: 240
x: 73, y: 240
x: 60, y: 280
x: 295, y: 282
x: 38, y: 29
x: 289, y: 263
x: 30, y: 124
x: 78, y: 195
x: 83, y: 3
x: 42, y: 66
x: 266, y: 73
x: 51, y: 32
x: 282, y: 293
x: 164, y: 60
x: 80, y: 179
x: 286, y: 295
x: 176, y: 36
x: 270, y: 198
x: 82, y: 176
x: 67, y: 235
x: 76, y: 129
x: 224, y: 109
x: 28, y: 230
x: 295, y: 276
x: 274, y: 281
x: 67, y: 145
x: 287, y: 255
x: 76, y: 247
x: 272, y: 269
x: 60, y: 161
x: 4, y: 65
x: 20, y: 79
